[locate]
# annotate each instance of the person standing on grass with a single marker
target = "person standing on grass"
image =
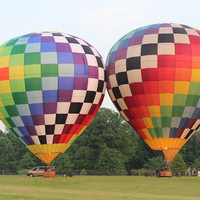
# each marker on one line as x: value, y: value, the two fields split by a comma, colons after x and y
x: 194, y: 172
x: 187, y: 171
x: 157, y: 172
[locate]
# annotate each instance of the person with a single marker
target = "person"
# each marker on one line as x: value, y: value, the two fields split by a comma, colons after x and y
x: 162, y: 169
x: 188, y: 171
x: 152, y: 174
x: 194, y: 172
x: 179, y: 174
x: 157, y: 172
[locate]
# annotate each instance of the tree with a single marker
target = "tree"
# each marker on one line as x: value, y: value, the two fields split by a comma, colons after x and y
x: 1, y: 133
x: 142, y: 155
x: 7, y: 154
x: 27, y: 161
x: 63, y: 163
x: 178, y: 164
x: 191, y: 150
x: 111, y: 162
x: 107, y: 133
x: 153, y: 163
x: 198, y: 166
x: 107, y: 130
x: 84, y: 158
x: 19, y: 147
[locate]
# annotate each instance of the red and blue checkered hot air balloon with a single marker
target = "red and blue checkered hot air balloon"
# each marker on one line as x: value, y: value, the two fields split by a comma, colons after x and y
x: 51, y: 86
x: 153, y: 76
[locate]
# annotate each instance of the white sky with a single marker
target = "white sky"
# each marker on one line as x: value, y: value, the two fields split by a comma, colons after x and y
x: 101, y: 23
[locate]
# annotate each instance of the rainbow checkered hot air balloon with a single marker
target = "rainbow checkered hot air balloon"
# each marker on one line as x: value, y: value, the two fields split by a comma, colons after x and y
x: 153, y: 76
x: 51, y: 86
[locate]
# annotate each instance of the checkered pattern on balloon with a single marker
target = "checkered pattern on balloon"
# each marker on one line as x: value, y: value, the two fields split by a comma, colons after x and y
x: 51, y: 86
x: 153, y: 76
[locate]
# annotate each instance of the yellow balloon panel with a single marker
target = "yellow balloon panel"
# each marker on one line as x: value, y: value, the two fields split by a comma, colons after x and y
x: 48, y: 148
x: 47, y: 152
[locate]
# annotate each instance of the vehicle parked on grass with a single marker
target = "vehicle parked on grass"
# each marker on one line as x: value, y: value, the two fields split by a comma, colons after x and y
x: 36, y: 171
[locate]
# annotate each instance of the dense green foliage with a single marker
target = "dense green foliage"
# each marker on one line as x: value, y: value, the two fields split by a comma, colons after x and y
x: 108, y: 144
x: 178, y: 164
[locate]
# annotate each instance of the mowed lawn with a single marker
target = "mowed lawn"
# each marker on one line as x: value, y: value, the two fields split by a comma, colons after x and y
x: 99, y: 187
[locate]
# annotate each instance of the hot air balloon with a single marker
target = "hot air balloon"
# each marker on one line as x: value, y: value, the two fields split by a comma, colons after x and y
x: 51, y: 86
x: 153, y: 79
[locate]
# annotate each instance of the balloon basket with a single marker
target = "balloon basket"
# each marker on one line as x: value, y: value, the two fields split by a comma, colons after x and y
x: 49, y: 174
x: 166, y: 174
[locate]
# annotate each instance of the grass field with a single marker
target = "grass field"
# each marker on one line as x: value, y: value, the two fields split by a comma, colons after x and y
x: 99, y: 187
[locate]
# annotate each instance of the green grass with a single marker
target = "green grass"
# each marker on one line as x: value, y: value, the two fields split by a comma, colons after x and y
x: 99, y: 187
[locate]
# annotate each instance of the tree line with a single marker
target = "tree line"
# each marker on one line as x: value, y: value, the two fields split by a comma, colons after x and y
x: 108, y: 145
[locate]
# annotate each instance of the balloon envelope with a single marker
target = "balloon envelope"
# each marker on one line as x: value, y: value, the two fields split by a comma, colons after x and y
x: 153, y: 76
x: 51, y: 86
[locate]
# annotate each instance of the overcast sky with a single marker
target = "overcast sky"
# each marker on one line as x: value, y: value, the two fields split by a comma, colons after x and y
x: 101, y: 23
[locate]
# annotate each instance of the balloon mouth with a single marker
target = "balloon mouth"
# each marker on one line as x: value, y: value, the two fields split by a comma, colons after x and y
x: 46, y: 158
x: 170, y: 154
